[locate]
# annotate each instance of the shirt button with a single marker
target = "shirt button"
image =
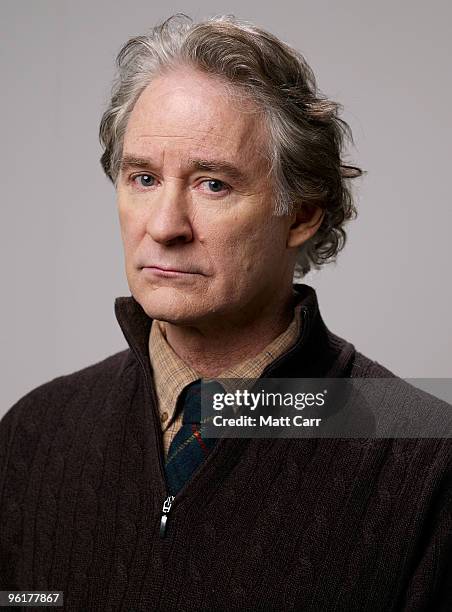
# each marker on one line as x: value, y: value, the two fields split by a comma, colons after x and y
x: 164, y: 417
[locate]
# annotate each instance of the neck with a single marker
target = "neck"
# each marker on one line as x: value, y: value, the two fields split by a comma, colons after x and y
x: 213, y: 351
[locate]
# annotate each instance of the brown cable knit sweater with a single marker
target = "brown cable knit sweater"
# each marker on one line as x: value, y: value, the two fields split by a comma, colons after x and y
x: 266, y: 524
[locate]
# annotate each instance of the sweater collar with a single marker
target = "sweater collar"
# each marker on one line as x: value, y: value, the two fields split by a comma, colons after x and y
x: 317, y: 352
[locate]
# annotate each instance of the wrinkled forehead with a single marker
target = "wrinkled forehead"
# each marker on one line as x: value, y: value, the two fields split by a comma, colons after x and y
x: 187, y: 114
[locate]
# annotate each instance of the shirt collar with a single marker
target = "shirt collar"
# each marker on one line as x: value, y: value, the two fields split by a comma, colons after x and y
x: 316, y: 353
x: 172, y: 374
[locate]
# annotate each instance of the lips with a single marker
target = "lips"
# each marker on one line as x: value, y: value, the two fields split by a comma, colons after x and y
x: 163, y: 269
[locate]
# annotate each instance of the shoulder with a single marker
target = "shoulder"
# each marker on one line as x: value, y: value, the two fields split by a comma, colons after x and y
x: 364, y: 367
x: 91, y: 381
x: 402, y: 408
x: 97, y: 374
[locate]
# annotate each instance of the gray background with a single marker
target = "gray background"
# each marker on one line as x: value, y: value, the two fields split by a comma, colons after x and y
x: 388, y: 63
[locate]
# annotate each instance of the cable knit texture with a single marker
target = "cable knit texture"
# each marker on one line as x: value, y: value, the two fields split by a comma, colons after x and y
x: 266, y: 524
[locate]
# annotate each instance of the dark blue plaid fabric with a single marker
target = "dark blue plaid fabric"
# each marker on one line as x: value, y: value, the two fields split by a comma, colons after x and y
x: 189, y: 447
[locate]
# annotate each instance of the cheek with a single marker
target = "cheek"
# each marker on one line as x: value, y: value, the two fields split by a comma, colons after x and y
x: 226, y: 241
x: 132, y: 227
x: 251, y: 236
x: 235, y: 247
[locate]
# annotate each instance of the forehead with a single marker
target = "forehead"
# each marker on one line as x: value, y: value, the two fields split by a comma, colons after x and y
x: 185, y: 113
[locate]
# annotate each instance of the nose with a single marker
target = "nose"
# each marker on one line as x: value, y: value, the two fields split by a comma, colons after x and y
x: 168, y: 220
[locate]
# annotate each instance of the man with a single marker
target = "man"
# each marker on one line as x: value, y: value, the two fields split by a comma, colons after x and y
x: 227, y: 167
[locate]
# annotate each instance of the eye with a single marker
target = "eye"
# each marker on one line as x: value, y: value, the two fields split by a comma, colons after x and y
x: 215, y: 185
x: 144, y: 180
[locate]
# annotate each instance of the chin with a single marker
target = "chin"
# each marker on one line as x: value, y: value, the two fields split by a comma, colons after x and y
x: 171, y: 305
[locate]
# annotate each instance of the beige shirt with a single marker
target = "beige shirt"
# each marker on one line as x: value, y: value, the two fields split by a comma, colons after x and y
x: 172, y: 374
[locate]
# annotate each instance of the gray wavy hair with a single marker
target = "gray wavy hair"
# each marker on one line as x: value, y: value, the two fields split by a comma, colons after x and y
x: 306, y: 134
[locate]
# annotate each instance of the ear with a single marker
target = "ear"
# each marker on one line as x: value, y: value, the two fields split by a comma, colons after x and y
x: 306, y: 221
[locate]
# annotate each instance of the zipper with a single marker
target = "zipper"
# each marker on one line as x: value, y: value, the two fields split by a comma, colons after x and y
x: 167, y: 503
x: 164, y: 517
x: 169, y: 499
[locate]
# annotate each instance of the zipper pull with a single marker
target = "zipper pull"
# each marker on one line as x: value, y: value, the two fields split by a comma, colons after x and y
x: 165, y: 511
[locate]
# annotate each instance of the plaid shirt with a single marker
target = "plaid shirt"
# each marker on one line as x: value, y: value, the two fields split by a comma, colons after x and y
x: 172, y: 374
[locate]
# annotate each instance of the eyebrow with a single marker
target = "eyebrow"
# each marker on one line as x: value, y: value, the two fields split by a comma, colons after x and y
x: 209, y: 165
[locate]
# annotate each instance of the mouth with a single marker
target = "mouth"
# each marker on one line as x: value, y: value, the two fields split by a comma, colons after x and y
x: 166, y: 272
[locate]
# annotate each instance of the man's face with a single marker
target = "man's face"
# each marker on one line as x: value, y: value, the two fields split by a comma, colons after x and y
x: 195, y: 206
